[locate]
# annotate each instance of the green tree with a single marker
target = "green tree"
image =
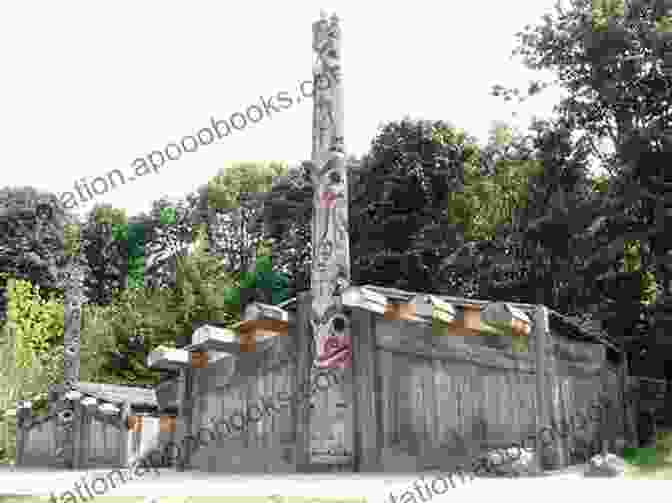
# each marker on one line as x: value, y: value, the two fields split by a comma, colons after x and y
x: 32, y: 246
x: 232, y: 204
x: 611, y: 63
x: 489, y: 199
x: 287, y: 219
x: 37, y: 322
x: 529, y: 255
x: 105, y: 252
x: 174, y: 227
x: 400, y: 227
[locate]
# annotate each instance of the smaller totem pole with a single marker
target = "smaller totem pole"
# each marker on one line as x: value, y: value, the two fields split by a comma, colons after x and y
x: 71, y: 278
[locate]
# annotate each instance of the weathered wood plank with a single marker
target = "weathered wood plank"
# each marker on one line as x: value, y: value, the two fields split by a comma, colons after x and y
x: 433, y: 348
x: 386, y: 398
x: 24, y: 414
x: 124, y: 445
x: 540, y: 334
x: 556, y: 413
x: 301, y: 408
x: 367, y: 421
x: 185, y: 418
x: 577, y: 351
x: 577, y: 369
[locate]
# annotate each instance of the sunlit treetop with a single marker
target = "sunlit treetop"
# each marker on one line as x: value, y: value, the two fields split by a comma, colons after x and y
x: 168, y: 216
x: 604, y: 11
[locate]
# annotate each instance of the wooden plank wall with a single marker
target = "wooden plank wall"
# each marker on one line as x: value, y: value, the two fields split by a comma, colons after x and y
x: 101, y: 442
x: 39, y: 447
x: 104, y: 442
x: 267, y: 445
x: 442, y: 400
x: 613, y: 390
x: 445, y: 399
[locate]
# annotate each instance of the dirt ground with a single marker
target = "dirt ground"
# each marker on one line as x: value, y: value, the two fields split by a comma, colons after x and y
x: 345, y: 488
x: 45, y: 480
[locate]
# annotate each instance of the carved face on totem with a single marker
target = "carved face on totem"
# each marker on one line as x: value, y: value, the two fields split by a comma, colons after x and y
x: 73, y: 311
x: 334, y: 190
x: 327, y: 47
x: 325, y: 122
x: 44, y: 211
x: 337, y: 145
x: 324, y: 253
x: 342, y: 280
x: 331, y: 63
x: 334, y: 347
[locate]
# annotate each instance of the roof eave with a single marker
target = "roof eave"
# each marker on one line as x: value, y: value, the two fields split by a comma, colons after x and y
x: 554, y: 316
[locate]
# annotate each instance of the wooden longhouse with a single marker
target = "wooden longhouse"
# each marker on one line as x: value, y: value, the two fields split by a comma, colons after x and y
x: 419, y: 399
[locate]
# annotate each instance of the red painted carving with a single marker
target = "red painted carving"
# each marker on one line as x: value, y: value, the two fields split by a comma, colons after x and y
x: 335, y: 352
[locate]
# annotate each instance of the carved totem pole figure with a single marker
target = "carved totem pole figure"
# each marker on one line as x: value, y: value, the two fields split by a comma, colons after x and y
x: 331, y: 422
x: 72, y: 280
x: 69, y: 277
x: 331, y: 250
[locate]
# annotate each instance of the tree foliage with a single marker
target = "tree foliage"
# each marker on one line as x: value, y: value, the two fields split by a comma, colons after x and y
x: 36, y: 322
x: 400, y: 226
x: 287, y: 218
x: 232, y: 205
x: 422, y: 187
x: 608, y: 57
x: 489, y: 200
x: 33, y: 244
x: 105, y: 252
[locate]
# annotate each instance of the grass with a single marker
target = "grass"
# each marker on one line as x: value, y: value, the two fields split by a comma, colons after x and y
x: 652, y: 463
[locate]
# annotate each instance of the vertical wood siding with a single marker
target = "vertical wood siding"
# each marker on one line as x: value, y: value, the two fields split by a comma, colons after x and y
x: 101, y: 446
x: 40, y: 445
x: 263, y: 446
x: 447, y: 399
x: 442, y: 400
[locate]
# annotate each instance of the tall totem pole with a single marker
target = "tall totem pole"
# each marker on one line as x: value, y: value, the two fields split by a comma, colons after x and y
x: 331, y: 250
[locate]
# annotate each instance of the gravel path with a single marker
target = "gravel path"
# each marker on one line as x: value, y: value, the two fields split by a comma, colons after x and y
x: 167, y: 481
x: 385, y: 488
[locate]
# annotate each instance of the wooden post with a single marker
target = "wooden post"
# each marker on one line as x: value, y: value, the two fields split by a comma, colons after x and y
x: 607, y: 429
x: 560, y: 446
x: 185, y: 417
x: 86, y: 437
x: 24, y: 414
x: 540, y: 338
x: 629, y: 430
x: 126, y: 437
x: 20, y: 443
x: 180, y: 431
x: 367, y: 409
x: 301, y: 407
x: 77, y: 425
x: 634, y: 385
x: 569, y: 442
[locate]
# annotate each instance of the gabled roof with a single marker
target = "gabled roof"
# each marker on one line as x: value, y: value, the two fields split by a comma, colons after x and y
x: 572, y: 327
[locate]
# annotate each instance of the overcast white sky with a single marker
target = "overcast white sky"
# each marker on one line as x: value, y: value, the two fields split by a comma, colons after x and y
x: 87, y: 87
